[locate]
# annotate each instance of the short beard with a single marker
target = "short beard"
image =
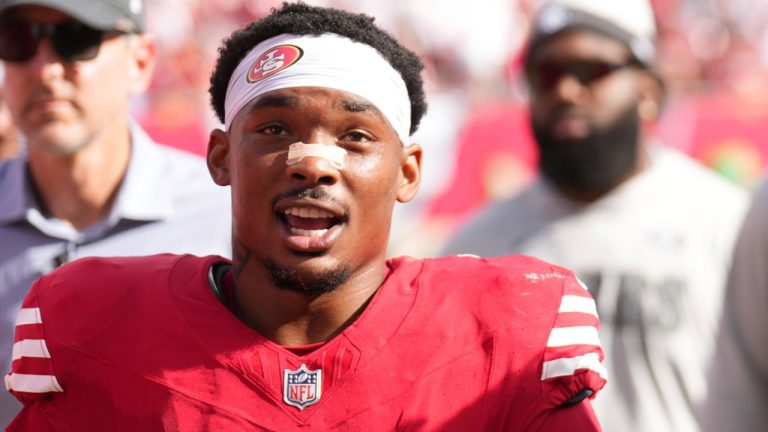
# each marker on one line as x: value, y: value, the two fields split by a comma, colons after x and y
x: 290, y: 280
x: 595, y: 164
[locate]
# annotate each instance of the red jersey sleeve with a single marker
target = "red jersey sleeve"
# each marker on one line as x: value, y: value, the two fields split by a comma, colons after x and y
x: 572, y: 363
x: 573, y: 356
x: 32, y: 379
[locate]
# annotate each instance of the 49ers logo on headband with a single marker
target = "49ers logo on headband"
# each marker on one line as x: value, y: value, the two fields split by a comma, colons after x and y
x: 273, y: 61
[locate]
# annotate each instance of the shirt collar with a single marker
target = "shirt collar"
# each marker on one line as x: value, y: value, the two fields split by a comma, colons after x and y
x: 145, y: 192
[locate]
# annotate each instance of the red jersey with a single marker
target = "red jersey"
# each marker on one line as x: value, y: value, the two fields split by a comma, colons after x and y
x: 457, y: 343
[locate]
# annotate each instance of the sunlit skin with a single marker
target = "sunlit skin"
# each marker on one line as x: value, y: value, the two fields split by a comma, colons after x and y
x: 251, y: 158
x: 572, y: 110
x: 75, y: 116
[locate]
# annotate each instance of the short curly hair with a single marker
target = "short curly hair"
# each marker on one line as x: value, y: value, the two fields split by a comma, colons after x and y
x: 302, y: 19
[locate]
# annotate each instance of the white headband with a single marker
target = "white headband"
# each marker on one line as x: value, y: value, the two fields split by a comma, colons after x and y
x: 327, y: 60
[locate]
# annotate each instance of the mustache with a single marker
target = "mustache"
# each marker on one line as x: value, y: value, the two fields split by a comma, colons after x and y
x: 565, y: 111
x: 314, y: 193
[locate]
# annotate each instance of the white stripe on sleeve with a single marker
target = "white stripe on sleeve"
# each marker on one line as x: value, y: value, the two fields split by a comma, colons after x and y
x: 32, y: 383
x: 580, y: 335
x: 28, y: 316
x: 567, y: 366
x: 572, y: 303
x: 30, y: 348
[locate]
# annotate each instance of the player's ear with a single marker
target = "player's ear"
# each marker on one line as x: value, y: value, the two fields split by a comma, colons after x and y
x: 142, y: 58
x: 651, y: 91
x: 218, y: 157
x: 410, y: 173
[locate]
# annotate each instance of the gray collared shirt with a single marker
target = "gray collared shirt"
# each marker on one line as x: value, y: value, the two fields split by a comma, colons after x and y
x: 167, y: 202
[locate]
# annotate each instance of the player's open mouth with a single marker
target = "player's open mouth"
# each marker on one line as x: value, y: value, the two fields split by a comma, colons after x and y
x: 310, y: 225
x: 309, y: 221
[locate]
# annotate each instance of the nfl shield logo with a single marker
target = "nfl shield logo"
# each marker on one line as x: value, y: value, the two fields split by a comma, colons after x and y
x: 302, y: 387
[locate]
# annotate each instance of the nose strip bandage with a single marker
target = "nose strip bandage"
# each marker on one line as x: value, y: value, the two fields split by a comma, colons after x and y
x: 333, y: 154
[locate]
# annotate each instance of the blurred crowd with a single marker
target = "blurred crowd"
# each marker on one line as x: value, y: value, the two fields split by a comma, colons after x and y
x: 714, y: 60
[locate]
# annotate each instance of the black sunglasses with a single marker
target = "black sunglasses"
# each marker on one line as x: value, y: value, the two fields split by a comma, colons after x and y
x: 71, y: 40
x: 546, y: 75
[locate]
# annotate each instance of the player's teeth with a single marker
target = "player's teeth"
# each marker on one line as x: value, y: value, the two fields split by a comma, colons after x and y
x: 313, y: 213
x: 308, y: 233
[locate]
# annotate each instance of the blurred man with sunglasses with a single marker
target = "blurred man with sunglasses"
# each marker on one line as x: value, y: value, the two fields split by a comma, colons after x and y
x: 648, y: 230
x: 91, y: 182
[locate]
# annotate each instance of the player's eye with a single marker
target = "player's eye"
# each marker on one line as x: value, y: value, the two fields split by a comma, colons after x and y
x: 357, y: 136
x: 273, y: 129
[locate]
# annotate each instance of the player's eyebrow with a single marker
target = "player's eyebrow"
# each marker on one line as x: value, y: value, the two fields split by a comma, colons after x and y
x: 353, y: 105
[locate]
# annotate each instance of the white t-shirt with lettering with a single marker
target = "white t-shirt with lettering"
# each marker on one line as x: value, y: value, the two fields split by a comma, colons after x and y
x: 654, y: 253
